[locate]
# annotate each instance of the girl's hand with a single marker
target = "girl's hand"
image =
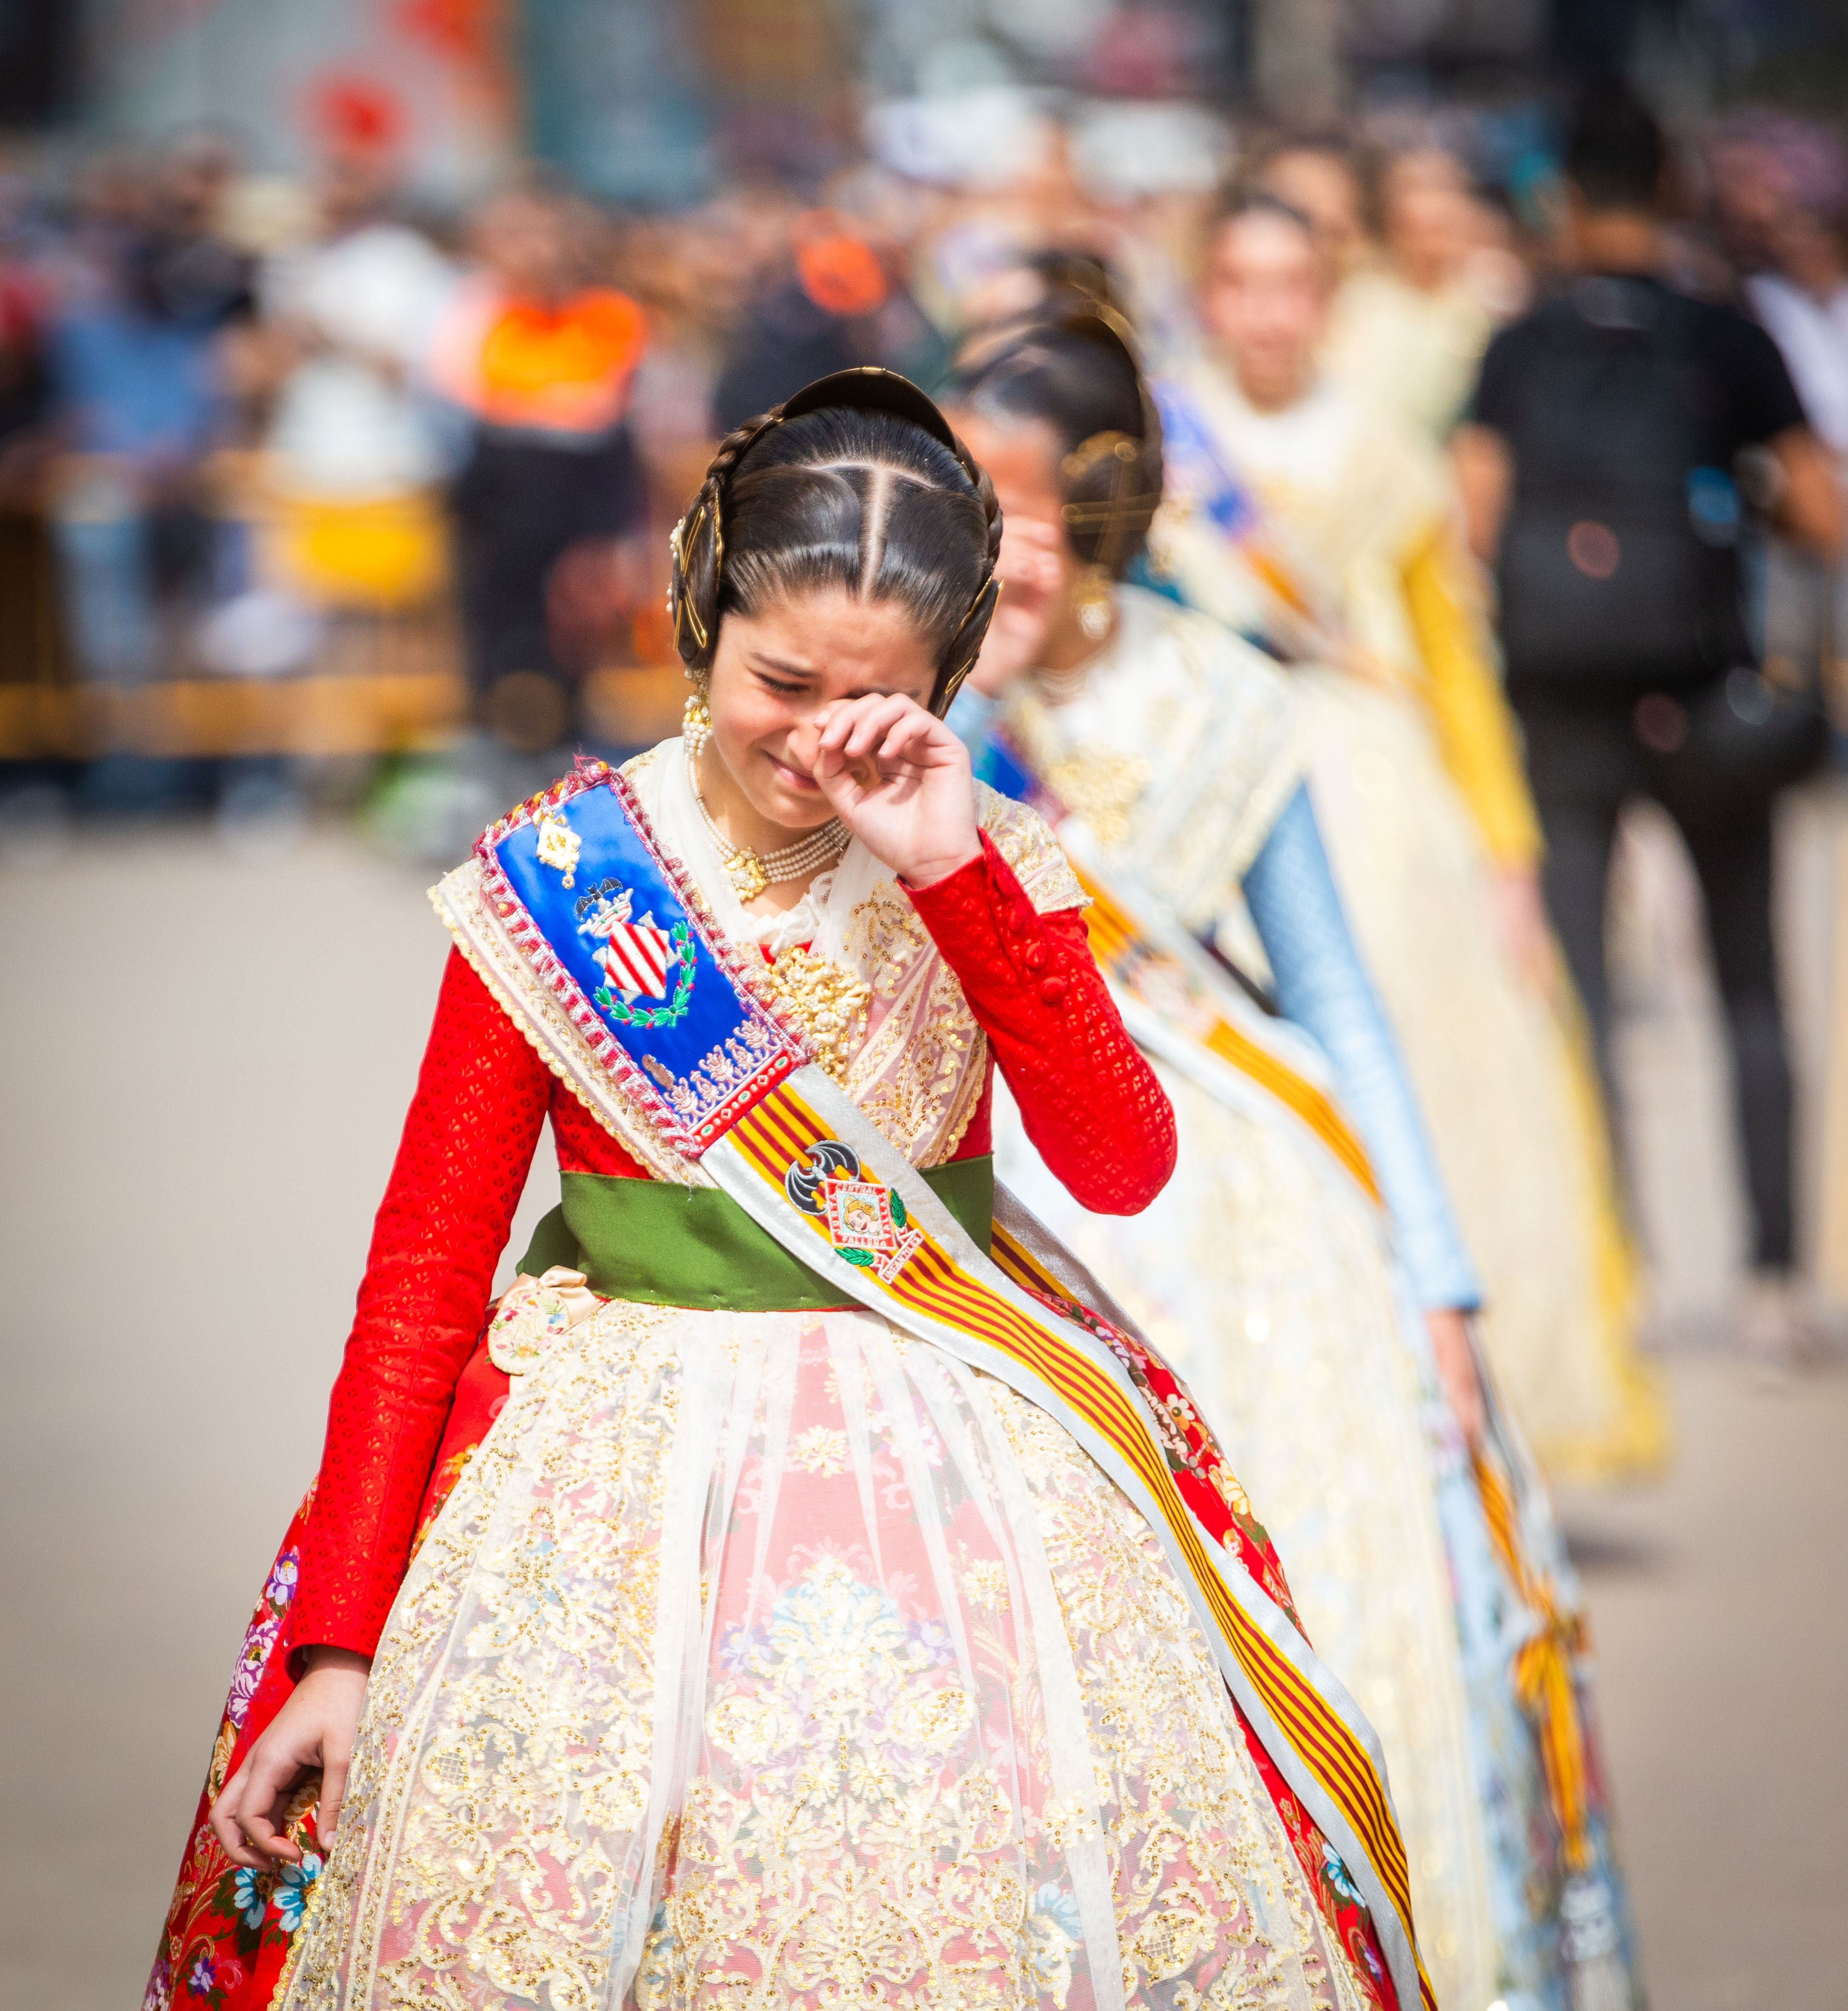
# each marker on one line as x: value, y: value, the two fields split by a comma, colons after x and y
x: 1031, y: 570
x: 1449, y: 1330
x: 315, y: 1730
x: 899, y: 779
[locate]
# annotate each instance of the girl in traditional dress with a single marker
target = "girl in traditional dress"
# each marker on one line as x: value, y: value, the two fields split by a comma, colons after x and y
x: 1173, y: 757
x: 1295, y: 510
x: 793, y: 1596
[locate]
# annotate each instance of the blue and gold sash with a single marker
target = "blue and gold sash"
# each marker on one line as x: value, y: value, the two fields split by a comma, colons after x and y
x: 616, y: 935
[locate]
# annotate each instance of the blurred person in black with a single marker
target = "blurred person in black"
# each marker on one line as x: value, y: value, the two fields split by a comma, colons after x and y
x: 1610, y: 436
x: 29, y: 632
x: 24, y: 386
x: 834, y: 302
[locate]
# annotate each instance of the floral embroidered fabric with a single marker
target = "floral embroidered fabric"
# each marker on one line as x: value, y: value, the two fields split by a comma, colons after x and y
x: 776, y: 1659
x: 483, y: 1093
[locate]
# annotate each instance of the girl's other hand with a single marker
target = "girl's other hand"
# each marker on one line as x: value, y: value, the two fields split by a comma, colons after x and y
x: 1449, y: 1330
x: 315, y: 1730
x: 1526, y: 931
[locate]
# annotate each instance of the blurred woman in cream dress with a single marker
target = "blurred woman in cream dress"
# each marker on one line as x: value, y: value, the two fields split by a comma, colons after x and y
x: 1308, y: 1279
x: 1293, y: 511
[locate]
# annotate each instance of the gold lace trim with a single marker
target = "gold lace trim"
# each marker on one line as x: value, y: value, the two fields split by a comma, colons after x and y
x: 1024, y: 838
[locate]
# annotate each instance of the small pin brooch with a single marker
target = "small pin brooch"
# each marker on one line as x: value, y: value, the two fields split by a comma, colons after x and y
x: 559, y: 845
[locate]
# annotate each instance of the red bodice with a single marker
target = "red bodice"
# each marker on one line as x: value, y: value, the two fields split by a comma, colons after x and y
x: 1089, y: 1100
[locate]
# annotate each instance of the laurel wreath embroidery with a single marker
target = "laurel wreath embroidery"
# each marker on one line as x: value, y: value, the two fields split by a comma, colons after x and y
x: 674, y: 1010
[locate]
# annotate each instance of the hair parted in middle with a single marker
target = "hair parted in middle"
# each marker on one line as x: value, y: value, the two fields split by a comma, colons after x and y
x: 856, y: 483
x: 1077, y: 373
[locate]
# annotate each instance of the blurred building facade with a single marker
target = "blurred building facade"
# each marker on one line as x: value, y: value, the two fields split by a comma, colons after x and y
x: 646, y: 102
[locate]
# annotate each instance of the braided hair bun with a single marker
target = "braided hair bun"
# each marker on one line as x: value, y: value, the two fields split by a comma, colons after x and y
x: 857, y: 484
x: 1077, y: 372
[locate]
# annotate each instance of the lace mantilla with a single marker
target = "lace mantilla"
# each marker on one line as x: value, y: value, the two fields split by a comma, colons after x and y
x: 1178, y: 753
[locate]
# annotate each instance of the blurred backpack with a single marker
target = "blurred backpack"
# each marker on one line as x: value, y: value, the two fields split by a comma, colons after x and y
x: 1620, y: 558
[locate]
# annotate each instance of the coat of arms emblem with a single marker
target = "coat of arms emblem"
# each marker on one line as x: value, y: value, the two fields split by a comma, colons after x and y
x: 639, y: 959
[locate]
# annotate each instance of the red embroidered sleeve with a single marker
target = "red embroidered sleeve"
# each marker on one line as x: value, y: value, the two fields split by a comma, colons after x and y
x: 468, y: 1142
x: 1090, y: 1103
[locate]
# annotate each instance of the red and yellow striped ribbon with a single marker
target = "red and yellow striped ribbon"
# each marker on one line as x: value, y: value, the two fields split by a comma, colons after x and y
x: 1543, y: 1670
x: 1117, y: 941
x: 781, y: 1129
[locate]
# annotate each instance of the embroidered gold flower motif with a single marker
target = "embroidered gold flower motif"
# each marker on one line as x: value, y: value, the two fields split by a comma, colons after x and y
x: 820, y: 1451
x: 826, y: 1000
x: 885, y: 937
x: 1064, y: 1822
x: 985, y: 1584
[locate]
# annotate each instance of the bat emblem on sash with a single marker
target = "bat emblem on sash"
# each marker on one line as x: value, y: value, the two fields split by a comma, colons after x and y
x: 864, y: 1219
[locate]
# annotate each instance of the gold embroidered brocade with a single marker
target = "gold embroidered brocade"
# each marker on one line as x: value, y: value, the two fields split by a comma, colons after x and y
x: 1102, y: 786
x: 828, y: 1002
x: 1178, y: 755
x: 776, y: 1661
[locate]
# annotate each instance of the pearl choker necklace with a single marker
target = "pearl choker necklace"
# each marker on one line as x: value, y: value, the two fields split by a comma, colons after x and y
x: 750, y: 872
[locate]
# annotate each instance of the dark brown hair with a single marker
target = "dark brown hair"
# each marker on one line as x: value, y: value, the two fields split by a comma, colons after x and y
x: 864, y: 498
x: 1237, y: 203
x: 1079, y: 376
x: 1616, y: 155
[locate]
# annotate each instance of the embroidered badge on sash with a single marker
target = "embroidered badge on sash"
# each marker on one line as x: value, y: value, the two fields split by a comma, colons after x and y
x: 627, y: 960
x: 559, y: 845
x: 638, y: 959
x: 866, y: 1222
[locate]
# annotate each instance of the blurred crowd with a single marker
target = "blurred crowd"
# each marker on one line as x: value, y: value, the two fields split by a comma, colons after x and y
x: 296, y: 469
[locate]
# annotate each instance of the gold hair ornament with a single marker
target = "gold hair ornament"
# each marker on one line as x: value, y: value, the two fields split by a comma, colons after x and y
x: 1118, y: 520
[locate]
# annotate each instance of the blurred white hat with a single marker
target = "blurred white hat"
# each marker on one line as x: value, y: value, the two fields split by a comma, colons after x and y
x: 980, y: 138
x: 1122, y: 149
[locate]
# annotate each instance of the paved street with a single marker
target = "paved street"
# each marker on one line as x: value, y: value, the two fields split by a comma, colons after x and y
x: 206, y: 1061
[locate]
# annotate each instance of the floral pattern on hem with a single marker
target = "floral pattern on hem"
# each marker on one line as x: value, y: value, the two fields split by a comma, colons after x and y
x: 680, y: 1709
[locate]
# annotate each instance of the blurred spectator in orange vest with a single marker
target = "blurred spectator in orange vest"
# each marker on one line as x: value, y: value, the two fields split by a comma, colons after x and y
x: 540, y: 357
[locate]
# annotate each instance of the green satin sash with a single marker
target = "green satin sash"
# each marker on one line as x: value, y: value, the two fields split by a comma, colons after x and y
x: 667, y: 1245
